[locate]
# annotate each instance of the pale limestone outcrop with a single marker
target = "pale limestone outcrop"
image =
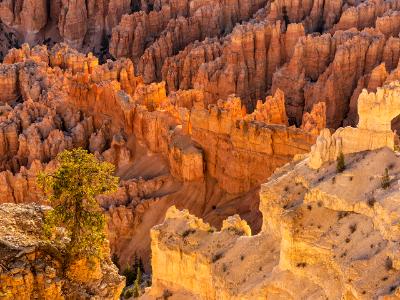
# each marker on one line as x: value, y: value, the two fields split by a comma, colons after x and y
x: 376, y: 111
x: 324, y: 234
x: 30, y: 271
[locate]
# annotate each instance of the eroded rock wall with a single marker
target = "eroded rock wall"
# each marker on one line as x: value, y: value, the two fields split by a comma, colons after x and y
x: 168, y: 150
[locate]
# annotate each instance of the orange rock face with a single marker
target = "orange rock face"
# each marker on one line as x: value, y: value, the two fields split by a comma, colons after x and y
x: 168, y: 150
x: 198, y: 104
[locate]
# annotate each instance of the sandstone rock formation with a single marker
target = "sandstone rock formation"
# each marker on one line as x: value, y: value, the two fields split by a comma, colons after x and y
x: 248, y: 48
x: 273, y: 50
x: 168, y: 150
x: 324, y: 232
x: 376, y: 111
x: 31, y: 269
x: 200, y: 103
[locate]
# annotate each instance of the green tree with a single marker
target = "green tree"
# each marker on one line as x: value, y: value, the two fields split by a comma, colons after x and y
x: 385, y: 183
x: 130, y: 275
x: 136, y: 289
x: 340, y: 163
x: 72, y: 189
x: 138, y: 281
x: 139, y: 275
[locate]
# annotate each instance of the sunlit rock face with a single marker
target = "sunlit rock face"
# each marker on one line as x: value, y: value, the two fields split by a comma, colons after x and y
x: 376, y: 112
x: 31, y: 267
x: 179, y: 149
x: 196, y: 102
x: 326, y: 233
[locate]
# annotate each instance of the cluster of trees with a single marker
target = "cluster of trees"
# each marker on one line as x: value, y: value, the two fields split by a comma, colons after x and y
x: 133, y: 275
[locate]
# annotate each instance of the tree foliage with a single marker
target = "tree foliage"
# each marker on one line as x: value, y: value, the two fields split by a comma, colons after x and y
x: 340, y: 163
x: 385, y: 183
x: 72, y: 189
x: 136, y: 284
x: 132, y: 272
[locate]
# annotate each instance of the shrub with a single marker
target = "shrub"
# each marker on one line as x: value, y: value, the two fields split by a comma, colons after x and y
x: 217, y: 256
x: 371, y: 201
x: 187, y: 232
x: 166, y: 294
x: 128, y: 293
x: 385, y: 183
x: 353, y: 228
x: 388, y: 264
x: 340, y: 163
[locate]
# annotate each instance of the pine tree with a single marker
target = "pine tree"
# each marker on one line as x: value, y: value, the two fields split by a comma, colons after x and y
x: 340, y: 163
x: 139, y: 275
x: 136, y: 289
x: 130, y: 275
x: 72, y: 189
x: 135, y: 262
x: 137, y: 283
x: 141, y: 266
x: 385, y: 179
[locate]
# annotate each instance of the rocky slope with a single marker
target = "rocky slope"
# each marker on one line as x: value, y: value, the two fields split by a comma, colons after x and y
x: 325, y: 234
x: 169, y: 150
x: 31, y: 269
x: 200, y: 101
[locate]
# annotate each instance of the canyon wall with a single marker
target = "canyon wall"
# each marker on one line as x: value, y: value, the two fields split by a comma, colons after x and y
x: 250, y: 48
x: 280, y: 37
x: 169, y: 150
x: 325, y: 232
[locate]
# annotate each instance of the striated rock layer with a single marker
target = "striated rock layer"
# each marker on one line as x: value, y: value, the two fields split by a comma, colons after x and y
x: 183, y: 150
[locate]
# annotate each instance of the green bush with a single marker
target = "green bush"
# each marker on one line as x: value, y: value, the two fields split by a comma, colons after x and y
x: 128, y: 293
x: 340, y: 163
x: 385, y: 183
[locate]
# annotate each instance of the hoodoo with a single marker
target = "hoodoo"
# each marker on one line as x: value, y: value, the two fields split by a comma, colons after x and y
x: 254, y: 143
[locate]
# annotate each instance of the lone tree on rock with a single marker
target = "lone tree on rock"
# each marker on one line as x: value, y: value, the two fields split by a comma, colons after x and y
x: 72, y: 189
x: 340, y: 163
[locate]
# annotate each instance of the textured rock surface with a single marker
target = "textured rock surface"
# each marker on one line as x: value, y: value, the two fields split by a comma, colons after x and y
x: 248, y: 48
x: 324, y: 233
x: 206, y: 98
x: 169, y: 150
x: 376, y: 112
x: 29, y: 268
